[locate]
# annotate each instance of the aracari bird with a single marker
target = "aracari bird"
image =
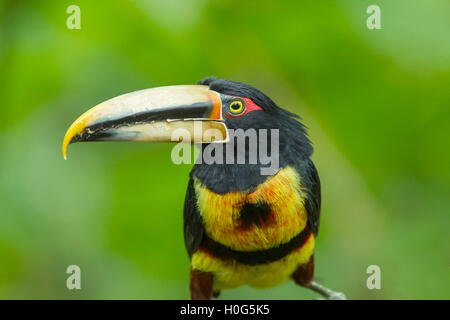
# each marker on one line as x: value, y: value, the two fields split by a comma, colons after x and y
x: 242, y: 226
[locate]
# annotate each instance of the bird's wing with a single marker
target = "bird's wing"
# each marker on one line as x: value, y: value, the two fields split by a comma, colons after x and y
x: 193, y: 227
x: 313, y: 201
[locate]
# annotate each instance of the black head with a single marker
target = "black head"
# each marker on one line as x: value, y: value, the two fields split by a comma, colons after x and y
x: 246, y: 107
x: 253, y: 110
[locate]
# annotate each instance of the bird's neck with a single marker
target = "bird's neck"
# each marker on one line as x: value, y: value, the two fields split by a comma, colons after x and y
x: 231, y: 177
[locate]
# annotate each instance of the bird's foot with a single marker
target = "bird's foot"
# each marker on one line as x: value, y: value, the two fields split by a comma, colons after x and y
x: 327, y: 293
x: 337, y: 296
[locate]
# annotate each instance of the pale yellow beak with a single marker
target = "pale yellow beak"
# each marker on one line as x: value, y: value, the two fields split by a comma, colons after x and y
x: 152, y: 115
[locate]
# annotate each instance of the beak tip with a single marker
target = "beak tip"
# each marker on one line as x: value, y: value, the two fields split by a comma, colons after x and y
x: 65, y: 145
x: 74, y: 131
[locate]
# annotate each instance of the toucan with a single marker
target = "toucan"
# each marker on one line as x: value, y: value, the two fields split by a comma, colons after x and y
x: 246, y: 221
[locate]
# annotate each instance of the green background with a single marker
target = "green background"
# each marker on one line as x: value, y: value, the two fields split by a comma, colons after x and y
x: 377, y: 104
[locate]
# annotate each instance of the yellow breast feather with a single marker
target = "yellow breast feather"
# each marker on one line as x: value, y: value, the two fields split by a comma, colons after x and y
x: 221, y: 213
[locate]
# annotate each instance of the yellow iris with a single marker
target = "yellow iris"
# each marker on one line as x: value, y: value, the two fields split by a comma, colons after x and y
x: 236, y: 106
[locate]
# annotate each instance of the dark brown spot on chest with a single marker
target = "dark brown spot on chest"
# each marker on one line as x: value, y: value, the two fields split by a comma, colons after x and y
x: 258, y: 214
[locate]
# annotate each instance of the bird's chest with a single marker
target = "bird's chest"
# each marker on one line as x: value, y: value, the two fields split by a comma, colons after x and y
x: 271, y: 214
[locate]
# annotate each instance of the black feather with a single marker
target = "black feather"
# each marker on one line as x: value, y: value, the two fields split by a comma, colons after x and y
x: 193, y: 226
x: 310, y: 183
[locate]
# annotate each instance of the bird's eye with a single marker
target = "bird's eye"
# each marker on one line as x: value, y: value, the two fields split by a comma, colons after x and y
x: 236, y: 107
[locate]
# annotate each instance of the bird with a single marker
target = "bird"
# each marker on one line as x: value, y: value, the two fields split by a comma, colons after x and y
x: 249, y: 218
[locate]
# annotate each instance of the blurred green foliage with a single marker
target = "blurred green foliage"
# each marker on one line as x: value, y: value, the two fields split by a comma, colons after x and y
x: 376, y: 103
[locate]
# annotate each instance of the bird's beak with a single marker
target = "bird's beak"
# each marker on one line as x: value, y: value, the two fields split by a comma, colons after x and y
x: 156, y: 114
